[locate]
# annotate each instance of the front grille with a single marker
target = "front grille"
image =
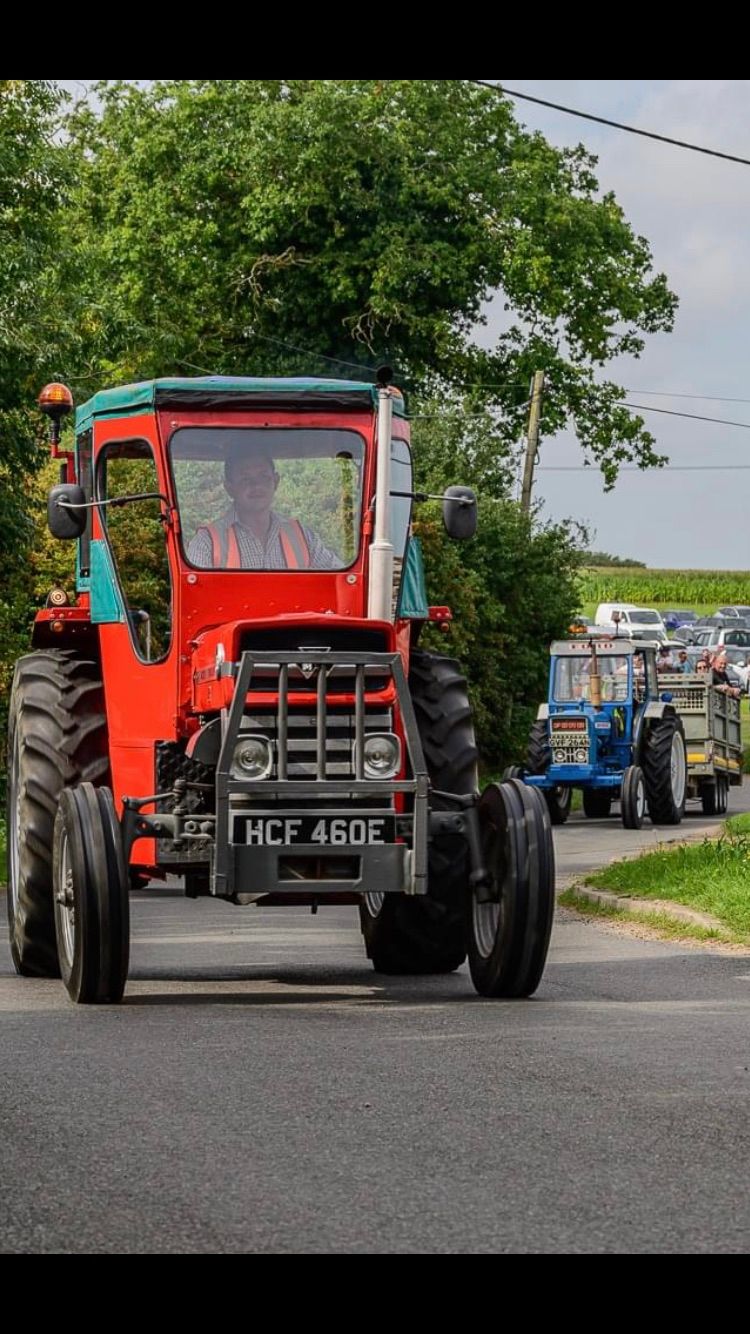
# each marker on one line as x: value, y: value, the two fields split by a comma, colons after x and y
x: 302, y: 740
x: 319, y: 638
x: 569, y: 747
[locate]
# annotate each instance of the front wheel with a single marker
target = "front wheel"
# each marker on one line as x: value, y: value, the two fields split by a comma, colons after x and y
x: 510, y: 922
x: 633, y: 797
x: 91, y: 907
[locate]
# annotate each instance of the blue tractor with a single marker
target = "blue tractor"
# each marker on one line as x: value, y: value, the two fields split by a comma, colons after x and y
x: 607, y: 730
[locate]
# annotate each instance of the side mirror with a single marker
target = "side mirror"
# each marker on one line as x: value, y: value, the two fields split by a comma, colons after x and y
x: 460, y: 512
x: 63, y: 522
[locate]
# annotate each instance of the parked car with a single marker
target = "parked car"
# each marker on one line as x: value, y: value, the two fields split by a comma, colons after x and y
x: 675, y: 619
x: 685, y: 634
x: 645, y: 622
x: 735, y: 610
x: 733, y: 622
x: 715, y: 636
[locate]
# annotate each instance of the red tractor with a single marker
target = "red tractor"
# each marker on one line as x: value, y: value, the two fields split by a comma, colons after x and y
x: 236, y: 697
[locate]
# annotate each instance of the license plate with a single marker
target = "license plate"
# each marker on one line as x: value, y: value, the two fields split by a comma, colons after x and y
x: 327, y: 831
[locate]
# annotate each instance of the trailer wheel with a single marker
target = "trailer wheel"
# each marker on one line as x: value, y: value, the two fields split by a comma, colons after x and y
x: 92, y: 918
x: 509, y: 933
x: 57, y: 736
x: 664, y: 764
x: 538, y: 760
x: 597, y: 803
x: 715, y: 796
x: 709, y: 798
x: 722, y: 795
x: 406, y: 934
x: 633, y: 797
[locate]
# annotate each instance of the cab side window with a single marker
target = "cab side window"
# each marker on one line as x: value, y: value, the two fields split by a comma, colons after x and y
x: 136, y: 535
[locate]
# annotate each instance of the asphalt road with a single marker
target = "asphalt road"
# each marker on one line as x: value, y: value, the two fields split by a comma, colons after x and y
x: 260, y: 1090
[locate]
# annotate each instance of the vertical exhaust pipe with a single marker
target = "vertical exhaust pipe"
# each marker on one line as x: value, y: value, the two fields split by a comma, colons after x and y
x: 381, y: 551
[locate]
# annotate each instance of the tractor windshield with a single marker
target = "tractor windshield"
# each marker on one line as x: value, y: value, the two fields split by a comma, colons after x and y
x: 268, y: 498
x: 572, y: 678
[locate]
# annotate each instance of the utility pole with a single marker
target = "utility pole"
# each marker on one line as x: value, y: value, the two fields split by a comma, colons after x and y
x: 532, y: 439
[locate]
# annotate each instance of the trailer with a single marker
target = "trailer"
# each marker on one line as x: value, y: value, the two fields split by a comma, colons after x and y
x: 713, y: 735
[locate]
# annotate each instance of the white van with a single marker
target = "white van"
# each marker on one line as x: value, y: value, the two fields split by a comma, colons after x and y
x: 645, y: 622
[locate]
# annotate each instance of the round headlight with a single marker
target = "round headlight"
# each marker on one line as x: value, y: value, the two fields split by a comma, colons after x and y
x: 560, y: 757
x: 582, y: 756
x: 382, y: 755
x: 253, y: 758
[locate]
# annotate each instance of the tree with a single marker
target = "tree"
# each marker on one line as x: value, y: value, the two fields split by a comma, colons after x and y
x: 221, y: 224
x: 512, y: 589
x: 33, y: 178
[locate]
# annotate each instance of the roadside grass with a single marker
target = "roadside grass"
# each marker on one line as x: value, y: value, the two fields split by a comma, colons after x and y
x: 712, y: 876
x: 669, y: 927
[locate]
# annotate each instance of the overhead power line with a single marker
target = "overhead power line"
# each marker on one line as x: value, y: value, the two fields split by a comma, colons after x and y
x: 667, y: 467
x: 616, y: 124
x: 694, y: 416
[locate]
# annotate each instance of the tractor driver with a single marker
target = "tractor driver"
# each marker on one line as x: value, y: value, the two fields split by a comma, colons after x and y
x: 251, y: 535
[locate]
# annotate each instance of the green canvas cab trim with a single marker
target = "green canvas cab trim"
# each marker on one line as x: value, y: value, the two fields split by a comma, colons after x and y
x: 412, y: 600
x: 212, y: 390
x: 106, y: 600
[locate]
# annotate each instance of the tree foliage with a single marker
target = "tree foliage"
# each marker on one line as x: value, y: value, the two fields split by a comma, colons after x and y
x: 223, y: 223
x: 34, y: 177
x: 324, y: 227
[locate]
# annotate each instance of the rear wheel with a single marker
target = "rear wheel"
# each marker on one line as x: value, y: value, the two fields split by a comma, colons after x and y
x: 91, y: 907
x: 509, y: 931
x: 57, y: 736
x: 664, y: 764
x: 633, y: 797
x: 409, y: 934
x: 597, y: 802
x: 558, y: 801
x: 538, y: 760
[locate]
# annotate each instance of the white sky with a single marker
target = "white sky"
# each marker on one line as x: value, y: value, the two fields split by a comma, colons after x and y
x: 693, y: 210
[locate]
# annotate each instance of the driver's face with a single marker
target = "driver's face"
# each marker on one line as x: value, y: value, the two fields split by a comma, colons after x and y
x: 252, y: 485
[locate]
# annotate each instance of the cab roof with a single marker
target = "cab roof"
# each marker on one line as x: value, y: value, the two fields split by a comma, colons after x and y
x: 239, y: 391
x: 605, y: 644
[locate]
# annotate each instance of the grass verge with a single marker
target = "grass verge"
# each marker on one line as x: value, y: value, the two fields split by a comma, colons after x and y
x: 712, y: 877
x: 670, y: 928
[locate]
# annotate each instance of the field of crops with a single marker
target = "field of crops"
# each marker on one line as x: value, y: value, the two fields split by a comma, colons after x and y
x: 701, y: 590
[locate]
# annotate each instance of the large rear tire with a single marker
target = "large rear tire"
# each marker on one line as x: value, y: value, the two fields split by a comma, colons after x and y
x: 509, y: 934
x: 57, y: 737
x: 92, y: 911
x: 409, y: 934
x: 664, y: 764
x: 538, y: 760
x: 597, y: 803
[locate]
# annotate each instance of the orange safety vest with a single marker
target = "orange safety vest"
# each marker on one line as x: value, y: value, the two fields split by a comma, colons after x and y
x: 226, y: 547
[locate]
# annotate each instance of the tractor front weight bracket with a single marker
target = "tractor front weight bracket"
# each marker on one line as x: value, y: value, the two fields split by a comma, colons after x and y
x: 464, y: 820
